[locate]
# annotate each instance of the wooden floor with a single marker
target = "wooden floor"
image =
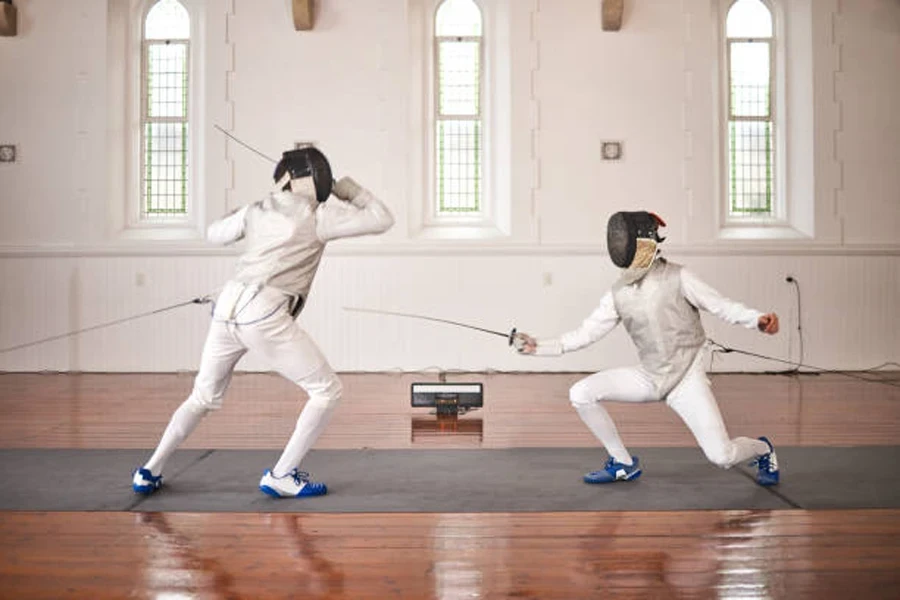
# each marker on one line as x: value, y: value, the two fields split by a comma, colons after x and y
x: 691, y: 554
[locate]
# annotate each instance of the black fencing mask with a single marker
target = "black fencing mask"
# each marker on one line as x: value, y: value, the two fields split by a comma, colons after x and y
x: 631, y: 238
x: 306, y: 162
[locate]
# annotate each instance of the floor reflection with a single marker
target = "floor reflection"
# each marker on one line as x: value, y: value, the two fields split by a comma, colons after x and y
x: 722, y: 563
x: 175, y: 569
x: 184, y: 561
x: 721, y: 560
x: 457, y: 569
x: 320, y: 577
x: 446, y: 430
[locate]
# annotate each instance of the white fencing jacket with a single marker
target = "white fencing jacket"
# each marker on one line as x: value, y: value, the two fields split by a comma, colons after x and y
x: 286, y: 235
x: 661, y: 313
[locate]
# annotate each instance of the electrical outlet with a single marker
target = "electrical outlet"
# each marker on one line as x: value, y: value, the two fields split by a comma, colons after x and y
x: 7, y: 153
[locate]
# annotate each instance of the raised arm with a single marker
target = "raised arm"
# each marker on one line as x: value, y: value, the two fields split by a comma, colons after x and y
x: 229, y: 228
x: 598, y: 324
x: 367, y: 214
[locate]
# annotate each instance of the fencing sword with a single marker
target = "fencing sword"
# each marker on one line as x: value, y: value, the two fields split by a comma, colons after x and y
x: 511, y: 336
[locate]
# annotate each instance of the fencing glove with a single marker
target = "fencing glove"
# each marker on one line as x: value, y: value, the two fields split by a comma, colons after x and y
x: 346, y: 189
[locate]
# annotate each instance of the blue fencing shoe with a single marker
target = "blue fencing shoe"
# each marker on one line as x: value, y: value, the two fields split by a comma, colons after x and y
x: 615, y: 471
x: 295, y: 484
x: 145, y: 482
x: 768, y: 466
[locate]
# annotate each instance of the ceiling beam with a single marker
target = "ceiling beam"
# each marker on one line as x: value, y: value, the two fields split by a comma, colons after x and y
x: 612, y: 14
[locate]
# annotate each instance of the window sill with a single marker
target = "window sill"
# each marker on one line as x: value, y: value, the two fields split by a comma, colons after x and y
x: 160, y: 232
x: 459, y: 231
x: 760, y: 231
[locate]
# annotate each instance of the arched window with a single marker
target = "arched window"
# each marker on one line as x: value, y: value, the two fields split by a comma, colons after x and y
x: 458, y: 120
x: 750, y: 147
x: 165, y: 156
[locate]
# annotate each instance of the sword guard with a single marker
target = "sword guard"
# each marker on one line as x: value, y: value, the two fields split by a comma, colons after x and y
x: 512, y: 336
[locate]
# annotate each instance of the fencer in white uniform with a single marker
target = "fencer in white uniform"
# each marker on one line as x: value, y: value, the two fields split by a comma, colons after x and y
x: 285, y: 235
x: 658, y: 302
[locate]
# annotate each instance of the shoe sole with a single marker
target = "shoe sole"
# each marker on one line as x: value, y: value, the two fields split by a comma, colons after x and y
x: 270, y: 491
x: 146, y: 490
x: 630, y: 477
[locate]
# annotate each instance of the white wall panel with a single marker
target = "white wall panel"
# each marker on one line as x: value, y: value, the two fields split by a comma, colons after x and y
x: 849, y: 310
x: 346, y: 85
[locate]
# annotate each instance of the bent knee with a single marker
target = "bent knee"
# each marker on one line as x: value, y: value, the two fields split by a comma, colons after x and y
x: 580, y: 394
x: 326, y: 392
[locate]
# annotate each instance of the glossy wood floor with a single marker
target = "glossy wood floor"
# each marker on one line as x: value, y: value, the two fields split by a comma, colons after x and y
x: 690, y: 554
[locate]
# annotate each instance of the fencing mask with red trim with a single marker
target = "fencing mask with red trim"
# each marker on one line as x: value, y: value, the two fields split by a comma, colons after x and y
x: 632, y: 237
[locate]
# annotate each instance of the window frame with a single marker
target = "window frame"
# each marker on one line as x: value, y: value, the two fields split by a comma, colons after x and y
x: 770, y: 118
x: 436, y: 214
x: 502, y: 220
x: 147, y: 215
x: 497, y: 215
x: 778, y: 213
x: 131, y: 222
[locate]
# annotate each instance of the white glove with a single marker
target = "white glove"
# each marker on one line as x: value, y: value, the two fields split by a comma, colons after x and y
x: 346, y: 189
x: 524, y: 343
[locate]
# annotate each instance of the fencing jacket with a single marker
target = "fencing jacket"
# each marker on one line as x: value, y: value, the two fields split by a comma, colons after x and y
x: 286, y: 235
x: 661, y: 314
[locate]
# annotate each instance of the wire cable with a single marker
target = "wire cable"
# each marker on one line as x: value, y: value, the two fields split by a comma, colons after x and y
x: 246, y: 145
x: 792, y: 279
x: 725, y: 350
x: 198, y: 300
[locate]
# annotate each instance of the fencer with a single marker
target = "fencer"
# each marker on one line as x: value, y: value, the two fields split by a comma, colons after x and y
x: 659, y: 304
x: 285, y: 235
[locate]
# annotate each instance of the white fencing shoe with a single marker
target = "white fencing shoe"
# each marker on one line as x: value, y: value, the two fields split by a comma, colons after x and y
x: 295, y: 484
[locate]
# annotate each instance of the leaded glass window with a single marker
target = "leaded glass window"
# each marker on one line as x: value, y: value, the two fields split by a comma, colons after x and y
x: 165, y: 128
x: 459, y: 124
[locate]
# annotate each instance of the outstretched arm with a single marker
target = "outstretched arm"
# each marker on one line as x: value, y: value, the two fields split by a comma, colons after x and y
x: 229, y: 228
x: 598, y: 324
x: 366, y: 215
x: 706, y: 298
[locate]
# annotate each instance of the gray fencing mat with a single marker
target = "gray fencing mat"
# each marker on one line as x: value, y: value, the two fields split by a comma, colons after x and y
x: 478, y: 480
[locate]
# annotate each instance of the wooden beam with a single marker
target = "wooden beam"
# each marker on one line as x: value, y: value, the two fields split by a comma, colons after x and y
x: 303, y: 14
x: 612, y: 14
x: 8, y: 26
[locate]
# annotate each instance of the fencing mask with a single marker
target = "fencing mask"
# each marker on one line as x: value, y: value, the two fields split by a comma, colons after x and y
x: 305, y: 162
x: 631, y: 238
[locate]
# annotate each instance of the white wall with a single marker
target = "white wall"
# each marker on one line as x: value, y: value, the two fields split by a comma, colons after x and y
x: 65, y: 265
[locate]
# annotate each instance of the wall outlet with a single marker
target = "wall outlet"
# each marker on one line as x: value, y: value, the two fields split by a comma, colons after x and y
x: 611, y: 150
x: 8, y: 153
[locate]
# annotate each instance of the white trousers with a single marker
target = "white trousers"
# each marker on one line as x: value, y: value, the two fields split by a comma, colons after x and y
x: 262, y: 324
x: 692, y: 399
